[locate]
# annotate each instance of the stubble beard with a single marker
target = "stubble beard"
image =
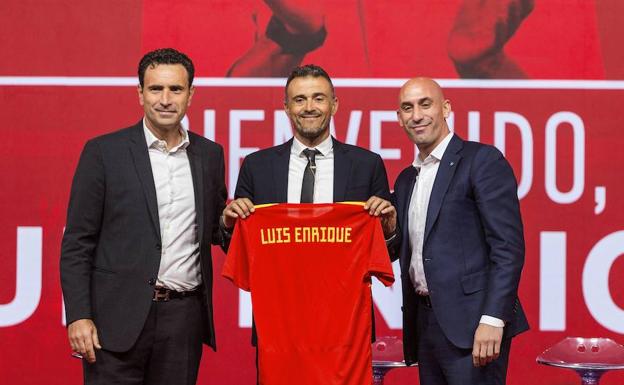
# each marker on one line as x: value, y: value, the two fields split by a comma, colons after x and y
x: 312, y: 133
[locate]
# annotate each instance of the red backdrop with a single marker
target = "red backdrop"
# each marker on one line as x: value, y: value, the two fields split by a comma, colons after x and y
x: 562, y: 138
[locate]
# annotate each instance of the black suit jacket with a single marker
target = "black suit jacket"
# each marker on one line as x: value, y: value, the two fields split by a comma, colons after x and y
x: 358, y: 174
x: 111, y: 248
x: 473, y: 249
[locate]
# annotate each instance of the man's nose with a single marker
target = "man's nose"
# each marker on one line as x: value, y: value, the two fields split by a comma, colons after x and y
x: 417, y: 115
x: 165, y: 98
x: 309, y: 105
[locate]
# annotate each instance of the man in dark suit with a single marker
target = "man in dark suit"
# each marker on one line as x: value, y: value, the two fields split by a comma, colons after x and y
x: 312, y: 167
x: 136, y: 268
x: 462, y: 248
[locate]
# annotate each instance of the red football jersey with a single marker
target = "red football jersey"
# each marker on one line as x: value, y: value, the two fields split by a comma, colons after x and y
x: 309, y: 268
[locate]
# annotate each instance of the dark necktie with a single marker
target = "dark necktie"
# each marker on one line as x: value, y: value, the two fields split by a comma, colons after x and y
x: 307, y: 188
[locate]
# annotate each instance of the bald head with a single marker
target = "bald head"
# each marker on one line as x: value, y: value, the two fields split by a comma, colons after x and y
x: 422, y: 113
x: 422, y: 83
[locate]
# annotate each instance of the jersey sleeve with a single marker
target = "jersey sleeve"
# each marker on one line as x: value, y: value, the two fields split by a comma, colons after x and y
x: 379, y: 262
x: 237, y: 261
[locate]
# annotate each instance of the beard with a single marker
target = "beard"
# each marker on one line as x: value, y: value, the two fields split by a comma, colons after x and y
x: 311, y: 132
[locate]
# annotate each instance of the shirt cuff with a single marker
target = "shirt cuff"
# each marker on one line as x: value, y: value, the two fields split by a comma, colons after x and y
x: 222, y: 226
x: 492, y: 321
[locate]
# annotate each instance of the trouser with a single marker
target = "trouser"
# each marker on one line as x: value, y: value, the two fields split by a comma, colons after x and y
x: 167, y: 351
x: 442, y: 363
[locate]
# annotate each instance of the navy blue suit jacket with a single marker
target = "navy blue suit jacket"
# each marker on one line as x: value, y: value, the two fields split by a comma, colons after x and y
x: 473, y: 249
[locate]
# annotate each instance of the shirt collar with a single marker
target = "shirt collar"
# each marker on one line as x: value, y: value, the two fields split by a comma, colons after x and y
x: 437, y: 152
x: 324, y: 147
x: 152, y: 140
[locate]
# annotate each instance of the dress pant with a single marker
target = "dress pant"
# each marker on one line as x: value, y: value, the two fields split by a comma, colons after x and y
x: 442, y: 363
x: 167, y: 351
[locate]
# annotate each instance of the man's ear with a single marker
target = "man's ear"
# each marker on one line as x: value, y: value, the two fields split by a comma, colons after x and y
x: 399, y: 118
x: 191, y: 93
x: 335, y: 106
x: 446, y: 108
x: 140, y: 92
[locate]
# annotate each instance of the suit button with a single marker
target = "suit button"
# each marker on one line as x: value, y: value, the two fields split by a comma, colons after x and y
x: 152, y: 281
x: 158, y: 247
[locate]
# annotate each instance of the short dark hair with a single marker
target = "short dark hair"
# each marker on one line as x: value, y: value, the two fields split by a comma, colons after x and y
x: 165, y: 56
x: 305, y: 71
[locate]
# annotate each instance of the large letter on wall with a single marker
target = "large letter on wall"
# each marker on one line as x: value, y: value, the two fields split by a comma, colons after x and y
x: 390, y: 299
x: 578, y: 184
x: 376, y: 119
x: 474, y: 126
x: 210, y: 129
x: 28, y: 278
x: 236, y: 151
x: 244, y: 309
x: 501, y: 119
x: 596, y: 282
x: 282, y: 130
x: 552, y: 298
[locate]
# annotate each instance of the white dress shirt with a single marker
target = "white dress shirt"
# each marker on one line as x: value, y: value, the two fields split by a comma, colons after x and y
x: 179, y: 262
x: 417, y: 217
x: 417, y: 214
x: 323, y: 178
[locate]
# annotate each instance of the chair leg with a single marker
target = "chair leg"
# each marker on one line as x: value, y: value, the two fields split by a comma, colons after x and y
x: 590, y: 377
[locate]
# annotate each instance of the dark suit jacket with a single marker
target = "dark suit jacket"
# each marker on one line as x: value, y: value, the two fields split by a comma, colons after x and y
x: 111, y: 248
x: 473, y: 248
x: 358, y: 175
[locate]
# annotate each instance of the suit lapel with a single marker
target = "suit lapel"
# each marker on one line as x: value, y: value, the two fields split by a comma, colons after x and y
x: 406, y: 189
x: 280, y: 165
x: 447, y: 168
x: 143, y: 167
x: 342, y: 170
x: 197, y: 172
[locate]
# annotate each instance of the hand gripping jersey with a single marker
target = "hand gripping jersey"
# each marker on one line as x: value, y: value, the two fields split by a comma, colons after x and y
x: 309, y: 268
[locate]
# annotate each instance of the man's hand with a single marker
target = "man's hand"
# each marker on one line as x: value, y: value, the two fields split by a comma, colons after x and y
x: 238, y: 208
x: 382, y: 208
x: 487, y: 343
x: 83, y: 338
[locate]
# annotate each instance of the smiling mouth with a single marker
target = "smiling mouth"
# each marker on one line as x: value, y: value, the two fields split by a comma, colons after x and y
x: 420, y: 126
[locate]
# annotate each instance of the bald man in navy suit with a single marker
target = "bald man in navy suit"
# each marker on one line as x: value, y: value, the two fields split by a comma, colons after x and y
x: 462, y: 248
